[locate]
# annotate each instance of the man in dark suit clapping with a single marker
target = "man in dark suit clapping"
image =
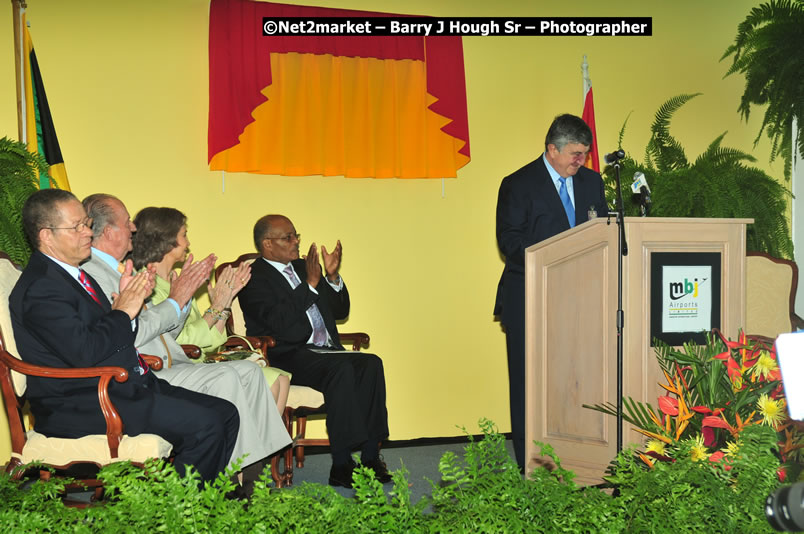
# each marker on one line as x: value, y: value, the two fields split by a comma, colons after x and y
x: 293, y: 301
x: 61, y: 318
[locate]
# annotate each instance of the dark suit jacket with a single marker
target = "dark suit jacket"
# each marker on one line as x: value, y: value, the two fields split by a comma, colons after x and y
x: 529, y: 210
x: 58, y: 324
x: 272, y: 308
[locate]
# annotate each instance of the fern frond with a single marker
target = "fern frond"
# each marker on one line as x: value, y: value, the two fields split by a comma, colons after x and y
x: 718, y: 184
x: 19, y: 178
x: 661, y: 122
x: 769, y: 51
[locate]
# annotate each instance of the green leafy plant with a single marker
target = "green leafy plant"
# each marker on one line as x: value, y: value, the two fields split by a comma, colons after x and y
x: 719, y: 183
x: 769, y: 51
x: 19, y: 178
x: 692, y: 496
x: 479, y: 491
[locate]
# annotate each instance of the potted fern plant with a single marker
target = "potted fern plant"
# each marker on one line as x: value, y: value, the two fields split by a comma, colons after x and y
x: 769, y: 51
x: 718, y: 183
x: 19, y: 177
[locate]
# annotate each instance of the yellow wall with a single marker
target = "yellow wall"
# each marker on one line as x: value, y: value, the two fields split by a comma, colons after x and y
x: 127, y: 84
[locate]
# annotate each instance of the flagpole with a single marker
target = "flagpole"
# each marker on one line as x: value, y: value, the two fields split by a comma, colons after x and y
x: 587, y: 82
x: 18, y: 8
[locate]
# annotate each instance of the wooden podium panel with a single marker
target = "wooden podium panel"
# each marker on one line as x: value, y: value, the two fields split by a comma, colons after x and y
x: 571, y: 328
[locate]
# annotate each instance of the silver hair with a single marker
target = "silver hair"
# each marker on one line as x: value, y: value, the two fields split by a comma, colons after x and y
x: 567, y: 129
x: 99, y: 208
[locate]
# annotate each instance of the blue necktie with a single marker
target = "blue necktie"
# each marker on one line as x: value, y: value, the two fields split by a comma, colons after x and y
x: 565, y: 199
x: 319, y: 328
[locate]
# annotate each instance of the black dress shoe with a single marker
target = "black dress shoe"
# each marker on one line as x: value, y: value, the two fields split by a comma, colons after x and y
x: 341, y: 475
x: 380, y: 470
x: 238, y: 494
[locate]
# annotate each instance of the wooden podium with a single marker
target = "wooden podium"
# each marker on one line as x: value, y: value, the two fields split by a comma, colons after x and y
x: 571, y: 328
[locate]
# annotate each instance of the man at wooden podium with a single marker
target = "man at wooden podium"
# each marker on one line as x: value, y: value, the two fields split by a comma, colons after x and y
x: 545, y: 197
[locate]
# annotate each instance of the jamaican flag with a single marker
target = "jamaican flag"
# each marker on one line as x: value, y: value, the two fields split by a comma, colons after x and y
x: 40, y: 133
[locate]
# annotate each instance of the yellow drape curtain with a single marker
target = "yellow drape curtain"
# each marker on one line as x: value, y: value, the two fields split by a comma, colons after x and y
x: 356, y: 117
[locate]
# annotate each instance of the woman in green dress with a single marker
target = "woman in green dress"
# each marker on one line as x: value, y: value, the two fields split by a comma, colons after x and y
x: 160, y: 243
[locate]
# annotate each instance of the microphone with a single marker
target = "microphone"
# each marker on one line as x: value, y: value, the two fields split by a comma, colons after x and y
x: 614, y: 156
x: 638, y: 183
x: 640, y: 187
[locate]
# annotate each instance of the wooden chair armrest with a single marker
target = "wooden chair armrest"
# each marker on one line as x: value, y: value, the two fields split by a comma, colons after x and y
x: 154, y: 362
x: 192, y: 351
x: 114, y: 424
x: 29, y: 369
x: 797, y: 322
x: 357, y: 339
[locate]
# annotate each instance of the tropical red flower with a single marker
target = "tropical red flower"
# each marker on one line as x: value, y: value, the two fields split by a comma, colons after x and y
x: 668, y: 405
x: 782, y: 474
x: 716, y: 422
x: 708, y: 436
x: 732, y: 368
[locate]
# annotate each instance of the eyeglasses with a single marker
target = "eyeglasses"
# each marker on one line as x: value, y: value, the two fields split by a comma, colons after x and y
x: 288, y: 238
x: 86, y: 223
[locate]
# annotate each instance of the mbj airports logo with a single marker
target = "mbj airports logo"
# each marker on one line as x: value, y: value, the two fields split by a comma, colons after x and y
x: 684, y: 300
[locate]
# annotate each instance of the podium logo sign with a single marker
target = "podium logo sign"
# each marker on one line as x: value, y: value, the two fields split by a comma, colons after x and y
x: 685, y: 291
x: 680, y: 290
x: 687, y: 299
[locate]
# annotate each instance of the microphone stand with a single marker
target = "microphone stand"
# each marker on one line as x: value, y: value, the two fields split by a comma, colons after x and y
x: 622, y: 247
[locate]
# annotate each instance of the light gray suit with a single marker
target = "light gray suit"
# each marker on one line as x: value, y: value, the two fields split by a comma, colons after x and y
x: 242, y: 383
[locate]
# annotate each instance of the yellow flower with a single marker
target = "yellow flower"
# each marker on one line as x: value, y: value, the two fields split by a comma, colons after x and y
x: 656, y: 446
x: 764, y: 366
x: 772, y: 411
x: 730, y: 449
x: 698, y: 451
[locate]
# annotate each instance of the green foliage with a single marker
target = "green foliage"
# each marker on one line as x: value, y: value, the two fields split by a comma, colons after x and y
x: 486, y: 493
x: 719, y: 183
x: 482, y: 491
x: 19, y: 178
x: 689, y: 496
x: 769, y: 51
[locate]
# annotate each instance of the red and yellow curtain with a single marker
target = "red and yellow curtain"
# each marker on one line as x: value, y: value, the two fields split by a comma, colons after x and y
x: 354, y: 106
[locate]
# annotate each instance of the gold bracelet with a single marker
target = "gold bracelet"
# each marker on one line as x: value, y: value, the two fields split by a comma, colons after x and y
x: 216, y: 315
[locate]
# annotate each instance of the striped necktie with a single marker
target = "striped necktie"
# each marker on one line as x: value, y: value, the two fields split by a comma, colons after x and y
x: 319, y: 328
x: 84, y: 279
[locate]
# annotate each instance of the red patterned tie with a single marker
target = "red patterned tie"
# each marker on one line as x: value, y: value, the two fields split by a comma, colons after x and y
x: 84, y: 279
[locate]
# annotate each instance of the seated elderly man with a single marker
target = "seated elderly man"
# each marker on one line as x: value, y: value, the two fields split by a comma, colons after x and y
x: 241, y: 382
x: 289, y: 299
x: 61, y: 318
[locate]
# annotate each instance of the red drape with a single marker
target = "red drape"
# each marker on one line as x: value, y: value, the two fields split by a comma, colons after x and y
x: 240, y: 64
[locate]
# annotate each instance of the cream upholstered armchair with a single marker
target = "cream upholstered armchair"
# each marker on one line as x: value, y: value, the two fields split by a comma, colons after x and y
x: 27, y: 445
x: 770, y: 296
x: 302, y: 400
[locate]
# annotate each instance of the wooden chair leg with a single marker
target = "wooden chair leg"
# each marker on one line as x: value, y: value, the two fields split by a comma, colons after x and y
x: 275, y: 473
x: 298, y: 448
x: 11, y: 469
x: 288, y: 474
x: 282, y: 474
